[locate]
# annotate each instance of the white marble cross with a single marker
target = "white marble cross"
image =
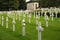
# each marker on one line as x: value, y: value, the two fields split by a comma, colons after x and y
x: 6, y: 22
x: 13, y: 24
x: 45, y: 14
x: 50, y: 12
x: 0, y: 18
x: 52, y: 16
x: 39, y: 13
x: 46, y: 19
x: 42, y: 10
x: 29, y: 17
x: 27, y: 12
x: 37, y: 18
x: 16, y: 16
x: 19, y: 17
x: 24, y: 15
x: 23, y: 27
x: 2, y: 21
x: 34, y: 14
x: 56, y: 14
x: 40, y: 29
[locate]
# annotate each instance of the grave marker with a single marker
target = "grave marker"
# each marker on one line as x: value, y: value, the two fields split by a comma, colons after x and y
x: 46, y: 19
x: 56, y: 14
x: 6, y: 22
x: 40, y: 29
x: 29, y: 17
x: 45, y: 14
x: 13, y: 24
x: 37, y: 18
x: 2, y: 21
x: 23, y: 27
x: 16, y: 16
x: 52, y: 16
x: 34, y: 14
x: 19, y: 17
x: 39, y: 13
x: 24, y: 15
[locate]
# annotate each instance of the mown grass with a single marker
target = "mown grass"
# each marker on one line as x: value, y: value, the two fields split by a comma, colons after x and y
x: 50, y: 33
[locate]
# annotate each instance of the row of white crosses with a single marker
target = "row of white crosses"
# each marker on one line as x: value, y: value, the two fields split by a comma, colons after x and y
x: 28, y: 14
x: 13, y: 23
x: 39, y: 13
x: 35, y: 13
x: 23, y: 24
x: 46, y: 18
x: 39, y: 28
x: 50, y: 11
x: 55, y: 10
x: 20, y: 14
x: 51, y: 14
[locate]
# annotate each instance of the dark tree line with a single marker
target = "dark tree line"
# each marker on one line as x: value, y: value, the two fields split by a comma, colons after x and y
x: 21, y: 4
x: 4, y: 4
x: 12, y: 5
x: 48, y: 3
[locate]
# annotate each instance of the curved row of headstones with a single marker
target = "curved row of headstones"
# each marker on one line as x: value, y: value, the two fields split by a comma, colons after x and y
x: 39, y: 28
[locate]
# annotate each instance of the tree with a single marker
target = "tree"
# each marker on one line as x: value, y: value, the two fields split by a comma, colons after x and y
x: 22, y: 4
x: 13, y: 4
x: 3, y: 5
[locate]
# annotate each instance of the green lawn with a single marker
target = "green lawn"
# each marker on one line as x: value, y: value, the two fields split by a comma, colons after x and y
x: 50, y: 33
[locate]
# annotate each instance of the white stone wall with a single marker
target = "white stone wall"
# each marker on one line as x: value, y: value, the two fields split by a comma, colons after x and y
x: 32, y: 6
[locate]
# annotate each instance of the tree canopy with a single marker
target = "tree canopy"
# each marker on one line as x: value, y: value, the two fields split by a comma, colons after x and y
x: 21, y: 4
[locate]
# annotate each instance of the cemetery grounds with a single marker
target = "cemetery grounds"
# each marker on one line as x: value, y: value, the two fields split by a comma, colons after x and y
x: 52, y: 32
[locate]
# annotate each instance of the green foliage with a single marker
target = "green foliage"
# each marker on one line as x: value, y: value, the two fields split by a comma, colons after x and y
x: 13, y: 4
x: 4, y: 4
x: 48, y: 3
x: 21, y: 4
